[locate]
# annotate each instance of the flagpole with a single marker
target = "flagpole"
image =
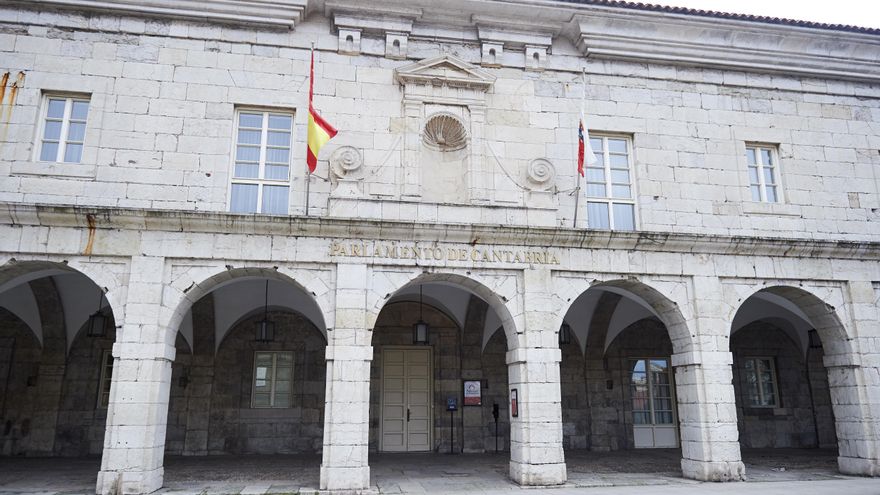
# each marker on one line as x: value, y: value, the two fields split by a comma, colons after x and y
x: 308, y: 183
x: 311, y: 86
x: 577, y: 175
x: 577, y: 198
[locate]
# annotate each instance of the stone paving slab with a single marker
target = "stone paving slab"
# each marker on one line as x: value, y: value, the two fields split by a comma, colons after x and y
x: 589, y: 473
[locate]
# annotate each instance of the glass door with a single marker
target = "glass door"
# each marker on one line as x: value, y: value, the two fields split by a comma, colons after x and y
x: 653, y: 403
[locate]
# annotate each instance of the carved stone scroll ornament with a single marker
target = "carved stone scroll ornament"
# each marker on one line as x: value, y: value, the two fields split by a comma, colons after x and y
x: 541, y: 175
x: 346, y: 162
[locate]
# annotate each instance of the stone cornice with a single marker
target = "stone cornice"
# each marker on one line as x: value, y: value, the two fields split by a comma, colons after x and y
x: 726, y: 44
x: 30, y: 215
x: 269, y: 13
x: 372, y: 10
x: 372, y: 25
x: 600, y: 31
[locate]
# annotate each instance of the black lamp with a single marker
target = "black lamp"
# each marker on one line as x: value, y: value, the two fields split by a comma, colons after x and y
x: 420, y: 329
x: 564, y: 334
x: 98, y: 320
x: 265, y: 329
x: 815, y: 341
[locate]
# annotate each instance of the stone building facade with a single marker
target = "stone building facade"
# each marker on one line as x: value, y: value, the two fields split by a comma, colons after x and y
x: 166, y: 287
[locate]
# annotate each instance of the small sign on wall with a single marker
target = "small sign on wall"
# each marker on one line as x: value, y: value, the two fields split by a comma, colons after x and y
x: 514, y: 405
x: 473, y: 395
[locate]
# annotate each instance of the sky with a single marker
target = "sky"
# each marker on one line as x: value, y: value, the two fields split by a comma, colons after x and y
x: 865, y: 13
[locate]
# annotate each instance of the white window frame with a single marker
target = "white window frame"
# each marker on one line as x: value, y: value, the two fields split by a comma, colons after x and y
x: 106, y: 378
x: 65, y: 126
x: 755, y: 369
x: 774, y: 166
x: 272, y: 381
x: 605, y: 158
x: 261, y: 182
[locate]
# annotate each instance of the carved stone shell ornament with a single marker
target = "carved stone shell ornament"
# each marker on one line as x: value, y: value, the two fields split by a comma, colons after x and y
x: 346, y: 161
x: 444, y: 133
x: 541, y: 174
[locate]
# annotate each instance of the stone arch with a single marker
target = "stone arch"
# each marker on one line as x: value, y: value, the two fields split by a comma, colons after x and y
x: 823, y: 306
x: 76, y: 301
x: 673, y: 310
x: 834, y: 335
x: 499, y: 292
x: 191, y: 283
x: 66, y: 401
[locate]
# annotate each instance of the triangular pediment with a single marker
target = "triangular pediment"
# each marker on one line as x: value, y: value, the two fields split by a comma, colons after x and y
x: 446, y: 70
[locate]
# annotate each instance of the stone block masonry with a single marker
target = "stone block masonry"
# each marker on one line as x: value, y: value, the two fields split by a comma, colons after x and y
x: 734, y: 213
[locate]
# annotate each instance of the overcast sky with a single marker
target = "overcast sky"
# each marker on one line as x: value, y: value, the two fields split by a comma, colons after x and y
x: 854, y: 12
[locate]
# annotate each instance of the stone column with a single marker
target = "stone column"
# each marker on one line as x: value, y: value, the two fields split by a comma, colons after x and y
x: 855, y: 395
x: 704, y: 388
x: 134, y: 442
x: 707, y: 417
x: 50, y: 377
x: 854, y: 383
x: 344, y: 464
x: 536, y: 455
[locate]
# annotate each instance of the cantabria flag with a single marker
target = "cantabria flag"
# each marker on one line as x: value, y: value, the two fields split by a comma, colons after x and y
x: 320, y: 131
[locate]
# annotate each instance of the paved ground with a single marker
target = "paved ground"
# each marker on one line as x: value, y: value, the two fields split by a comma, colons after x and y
x: 641, y: 472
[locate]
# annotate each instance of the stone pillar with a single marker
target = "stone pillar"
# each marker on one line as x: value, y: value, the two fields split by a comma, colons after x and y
x: 704, y: 388
x: 473, y: 418
x: 41, y: 440
x: 855, y: 396
x: 536, y: 455
x: 134, y: 442
x: 854, y: 383
x: 344, y: 464
x: 707, y: 417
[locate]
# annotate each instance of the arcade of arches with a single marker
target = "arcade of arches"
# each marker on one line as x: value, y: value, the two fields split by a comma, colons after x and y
x: 252, y: 367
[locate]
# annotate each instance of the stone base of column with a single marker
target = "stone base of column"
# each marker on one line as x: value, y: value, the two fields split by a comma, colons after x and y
x: 713, y: 471
x: 538, y: 474
x: 122, y: 482
x: 345, y: 479
x: 858, y: 466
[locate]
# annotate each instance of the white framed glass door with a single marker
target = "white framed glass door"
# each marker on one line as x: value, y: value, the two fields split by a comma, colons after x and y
x: 653, y: 404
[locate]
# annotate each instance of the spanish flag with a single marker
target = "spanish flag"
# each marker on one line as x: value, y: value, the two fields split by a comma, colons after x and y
x: 320, y: 131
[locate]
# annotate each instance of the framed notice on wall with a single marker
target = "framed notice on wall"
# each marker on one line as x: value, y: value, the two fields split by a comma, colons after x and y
x: 514, y: 406
x: 473, y: 395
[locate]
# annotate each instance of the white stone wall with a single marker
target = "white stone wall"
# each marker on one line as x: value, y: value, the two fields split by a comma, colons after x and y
x: 155, y: 178
x: 696, y: 288
x: 164, y: 92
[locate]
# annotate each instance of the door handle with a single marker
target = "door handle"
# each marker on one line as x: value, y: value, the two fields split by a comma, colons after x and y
x: 407, y: 415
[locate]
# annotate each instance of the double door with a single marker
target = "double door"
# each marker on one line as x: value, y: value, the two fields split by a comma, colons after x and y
x: 406, y: 399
